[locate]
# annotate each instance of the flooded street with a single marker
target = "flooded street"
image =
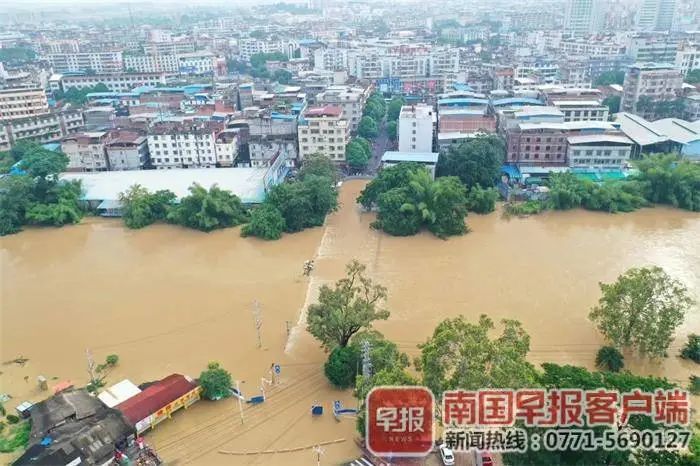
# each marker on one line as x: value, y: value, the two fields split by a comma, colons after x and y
x: 166, y: 300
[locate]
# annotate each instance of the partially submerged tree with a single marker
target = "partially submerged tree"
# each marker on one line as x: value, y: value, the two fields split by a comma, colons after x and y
x: 351, y: 305
x: 266, y: 222
x: 461, y: 354
x: 341, y: 366
x: 642, y: 310
x: 609, y: 359
x: 208, y: 210
x: 215, y: 381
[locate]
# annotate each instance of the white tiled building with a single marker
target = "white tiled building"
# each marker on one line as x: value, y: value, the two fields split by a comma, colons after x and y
x: 99, y: 62
x: 599, y: 151
x: 164, y: 63
x: 323, y: 130
x: 415, y: 128
x: 582, y: 110
x: 189, y: 145
x: 121, y: 82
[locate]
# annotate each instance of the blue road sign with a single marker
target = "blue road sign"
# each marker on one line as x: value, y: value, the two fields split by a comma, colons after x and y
x: 278, y: 369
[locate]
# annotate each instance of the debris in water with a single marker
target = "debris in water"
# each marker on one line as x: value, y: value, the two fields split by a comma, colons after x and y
x: 20, y: 361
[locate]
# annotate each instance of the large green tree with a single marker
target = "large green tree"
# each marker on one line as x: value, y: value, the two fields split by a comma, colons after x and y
x: 476, y: 162
x: 394, y: 108
x: 282, y: 76
x: 319, y: 165
x: 461, y: 354
x: 141, y: 208
x: 266, y: 222
x: 667, y: 180
x: 482, y: 201
x: 304, y: 204
x: 392, y: 130
x: 368, y: 128
x: 357, y: 155
x: 641, y: 310
x: 352, y: 304
x: 610, y: 77
x: 439, y: 205
x: 613, y: 103
x: 341, y: 366
x: 215, y: 381
x: 61, y: 208
x: 392, y: 177
x: 16, y: 196
x: 208, y: 210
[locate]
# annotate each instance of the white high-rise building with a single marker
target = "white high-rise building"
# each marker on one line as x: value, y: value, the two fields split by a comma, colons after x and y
x: 656, y: 15
x: 416, y: 123
x: 584, y: 17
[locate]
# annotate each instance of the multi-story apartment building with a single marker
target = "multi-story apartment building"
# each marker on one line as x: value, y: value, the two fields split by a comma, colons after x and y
x: 589, y: 48
x: 86, y: 151
x: 330, y: 59
x: 688, y: 58
x: 604, y: 151
x: 584, y: 17
x: 22, y: 103
x: 653, y: 48
x: 171, y: 47
x: 656, y: 15
x: 161, y: 63
x: 226, y: 145
x: 96, y: 62
x: 271, y: 136
x: 196, y: 63
x: 582, y: 110
x: 350, y: 99
x: 416, y: 128
x: 127, y: 150
x: 323, y: 130
x: 49, y: 127
x: 249, y: 47
x: 120, y: 82
x: 186, y: 145
x: 654, y: 81
x: 692, y: 107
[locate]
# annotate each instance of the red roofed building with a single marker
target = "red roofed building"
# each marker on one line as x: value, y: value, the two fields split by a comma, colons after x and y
x: 158, y: 401
x: 324, y: 130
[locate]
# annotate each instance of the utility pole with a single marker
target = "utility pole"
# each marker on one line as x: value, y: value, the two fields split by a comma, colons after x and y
x: 366, y: 360
x: 257, y: 315
x: 289, y: 327
x: 240, y: 403
x: 318, y: 451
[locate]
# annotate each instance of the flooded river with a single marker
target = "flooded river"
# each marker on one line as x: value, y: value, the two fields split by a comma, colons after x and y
x: 170, y: 300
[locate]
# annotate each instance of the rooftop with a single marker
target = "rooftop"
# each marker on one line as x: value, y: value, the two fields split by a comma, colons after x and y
x: 638, y: 129
x: 246, y: 183
x: 156, y: 396
x: 326, y: 110
x: 598, y: 138
x: 420, y: 157
x: 417, y: 111
x: 576, y: 103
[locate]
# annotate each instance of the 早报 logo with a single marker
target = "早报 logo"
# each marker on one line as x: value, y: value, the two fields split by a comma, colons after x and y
x: 400, y: 421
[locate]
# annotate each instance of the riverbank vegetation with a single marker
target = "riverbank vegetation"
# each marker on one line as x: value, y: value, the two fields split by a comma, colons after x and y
x: 34, y: 196
x: 14, y: 435
x: 660, y: 179
x: 408, y: 199
x: 289, y: 207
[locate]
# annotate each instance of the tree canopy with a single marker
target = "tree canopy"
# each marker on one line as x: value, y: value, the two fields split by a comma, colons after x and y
x: 368, y: 128
x: 266, y: 222
x: 79, y: 96
x: 341, y: 366
x: 439, y: 205
x: 357, y: 154
x: 613, y: 103
x: 394, y: 108
x: 215, y: 381
x: 282, y: 76
x: 475, y: 162
x: 667, y: 180
x: 610, y: 77
x: 37, y: 196
x: 304, y: 204
x: 319, y: 165
x: 392, y: 130
x: 375, y: 107
x: 461, y: 354
x: 141, y: 208
x: 642, y: 310
x: 482, y: 201
x: 208, y: 210
x: 351, y: 305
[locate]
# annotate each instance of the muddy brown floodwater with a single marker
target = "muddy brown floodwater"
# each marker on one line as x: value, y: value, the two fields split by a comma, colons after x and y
x: 170, y: 300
